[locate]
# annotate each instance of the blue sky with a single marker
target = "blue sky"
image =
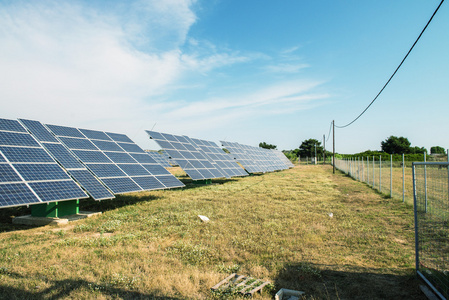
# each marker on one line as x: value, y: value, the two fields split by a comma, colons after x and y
x: 242, y: 71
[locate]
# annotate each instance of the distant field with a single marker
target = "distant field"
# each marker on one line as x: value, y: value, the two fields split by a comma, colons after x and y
x: 275, y: 227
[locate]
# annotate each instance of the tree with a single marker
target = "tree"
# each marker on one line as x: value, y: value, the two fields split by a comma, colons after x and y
x: 307, y: 148
x: 418, y: 150
x: 267, y: 146
x: 437, y: 150
x: 395, y: 144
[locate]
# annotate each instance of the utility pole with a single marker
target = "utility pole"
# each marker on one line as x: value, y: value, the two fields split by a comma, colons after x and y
x: 324, y: 149
x: 333, y: 147
x: 315, y: 154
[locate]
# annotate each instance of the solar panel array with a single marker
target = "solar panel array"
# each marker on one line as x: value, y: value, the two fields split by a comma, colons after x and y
x: 188, y: 155
x: 28, y: 174
x: 283, y: 158
x: 222, y: 160
x: 115, y: 159
x: 255, y: 159
x: 163, y: 160
x: 73, y: 166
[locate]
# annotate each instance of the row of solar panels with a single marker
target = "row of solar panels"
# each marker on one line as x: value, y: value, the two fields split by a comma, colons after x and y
x: 42, y: 163
x: 45, y: 163
x: 202, y: 159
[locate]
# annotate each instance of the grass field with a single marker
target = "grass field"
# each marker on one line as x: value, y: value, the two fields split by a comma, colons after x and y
x: 275, y: 227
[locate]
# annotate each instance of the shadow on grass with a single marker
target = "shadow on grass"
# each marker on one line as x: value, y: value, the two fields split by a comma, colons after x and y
x: 64, y: 288
x: 331, y: 282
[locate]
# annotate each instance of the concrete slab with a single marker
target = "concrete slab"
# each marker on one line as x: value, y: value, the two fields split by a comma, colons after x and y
x: 40, y: 221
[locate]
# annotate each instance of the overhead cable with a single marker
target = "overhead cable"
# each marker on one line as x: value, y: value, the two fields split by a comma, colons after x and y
x: 375, y: 98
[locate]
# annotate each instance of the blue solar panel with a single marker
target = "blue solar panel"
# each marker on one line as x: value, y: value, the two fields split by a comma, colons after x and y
x: 120, y: 157
x: 15, y: 194
x: 156, y: 170
x: 39, y: 131
x: 133, y: 169
x: 133, y: 148
x: 120, y: 185
x: 57, y: 190
x: 161, y: 160
x: 76, y: 143
x: 170, y: 181
x: 19, y: 154
x: 119, y: 137
x: 95, y: 189
x: 65, y: 131
x: 148, y: 183
x: 11, y: 125
x: 106, y: 170
x: 63, y: 156
x: 91, y: 156
x: 95, y: 135
x: 143, y: 158
x: 17, y: 139
x: 155, y: 135
x: 2, y: 159
x: 8, y: 174
x: 33, y: 172
x: 107, y: 146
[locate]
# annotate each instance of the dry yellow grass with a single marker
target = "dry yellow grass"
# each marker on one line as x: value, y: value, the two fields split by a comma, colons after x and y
x: 274, y: 227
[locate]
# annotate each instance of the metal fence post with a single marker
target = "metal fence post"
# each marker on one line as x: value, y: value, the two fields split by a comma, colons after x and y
x: 416, y: 219
x: 367, y: 170
x: 363, y: 170
x: 391, y: 176
x: 380, y: 173
x: 373, y: 172
x: 425, y: 182
x: 403, y: 177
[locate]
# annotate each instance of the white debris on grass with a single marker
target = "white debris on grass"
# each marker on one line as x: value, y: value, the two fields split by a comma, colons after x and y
x: 204, y: 218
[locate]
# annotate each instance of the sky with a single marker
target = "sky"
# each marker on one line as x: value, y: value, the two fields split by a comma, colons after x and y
x: 241, y: 71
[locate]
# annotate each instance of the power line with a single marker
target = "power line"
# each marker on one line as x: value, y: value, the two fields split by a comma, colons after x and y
x: 329, y: 134
x: 375, y: 98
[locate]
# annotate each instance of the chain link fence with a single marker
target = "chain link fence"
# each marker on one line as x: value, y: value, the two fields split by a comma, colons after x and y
x: 392, y: 178
x: 431, y: 206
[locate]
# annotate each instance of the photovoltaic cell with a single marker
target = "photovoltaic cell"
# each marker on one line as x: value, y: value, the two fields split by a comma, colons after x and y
x: 80, y: 144
x: 65, y: 131
x: 63, y: 156
x: 120, y: 185
x: 8, y: 174
x: 11, y: 125
x: 107, y: 146
x: 132, y: 148
x: 91, y: 156
x: 57, y: 190
x: 34, y: 172
x: 39, y: 131
x: 161, y: 160
x: 17, y: 139
x: 95, y: 135
x: 91, y: 184
x: 117, y: 137
x: 106, y: 170
x: 15, y: 194
x: 120, y: 157
x: 133, y: 169
x: 149, y: 182
x: 20, y: 154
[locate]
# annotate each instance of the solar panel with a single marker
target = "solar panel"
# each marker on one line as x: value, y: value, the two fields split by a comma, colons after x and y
x: 28, y: 174
x: 222, y: 160
x: 68, y: 160
x: 111, y: 157
x: 161, y: 160
x: 188, y: 155
x: 255, y: 159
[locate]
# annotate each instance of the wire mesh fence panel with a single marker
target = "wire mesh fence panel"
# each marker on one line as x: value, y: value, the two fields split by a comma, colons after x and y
x: 431, y: 205
x: 385, y: 174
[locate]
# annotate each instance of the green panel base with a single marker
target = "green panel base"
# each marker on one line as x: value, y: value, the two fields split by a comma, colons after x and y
x: 55, y: 209
x: 204, y: 181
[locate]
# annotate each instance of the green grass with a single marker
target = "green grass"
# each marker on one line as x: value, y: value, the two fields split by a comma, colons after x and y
x: 273, y: 227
